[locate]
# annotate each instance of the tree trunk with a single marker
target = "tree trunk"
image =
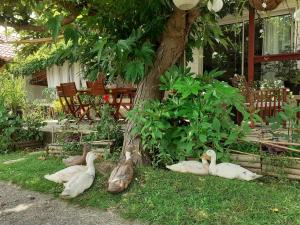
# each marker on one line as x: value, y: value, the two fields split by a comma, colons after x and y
x: 172, y: 46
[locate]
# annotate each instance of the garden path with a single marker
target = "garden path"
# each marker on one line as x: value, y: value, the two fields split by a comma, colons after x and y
x: 22, y: 207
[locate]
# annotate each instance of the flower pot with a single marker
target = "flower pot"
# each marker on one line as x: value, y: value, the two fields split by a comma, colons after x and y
x: 185, y: 4
x: 269, y: 4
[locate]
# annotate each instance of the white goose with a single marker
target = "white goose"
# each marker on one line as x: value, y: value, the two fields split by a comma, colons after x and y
x: 66, y: 174
x: 81, y: 182
x: 193, y: 167
x: 228, y: 170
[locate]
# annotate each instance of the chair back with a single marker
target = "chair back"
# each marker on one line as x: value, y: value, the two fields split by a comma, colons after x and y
x: 97, y: 87
x: 59, y: 91
x: 62, y: 100
x: 270, y: 101
x: 69, y: 89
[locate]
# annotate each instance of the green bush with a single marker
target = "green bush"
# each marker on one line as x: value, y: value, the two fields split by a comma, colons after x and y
x: 196, y: 115
x: 19, y: 120
x: 12, y: 91
x: 107, y: 127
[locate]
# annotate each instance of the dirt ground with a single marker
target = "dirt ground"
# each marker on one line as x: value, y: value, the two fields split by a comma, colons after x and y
x: 22, y: 207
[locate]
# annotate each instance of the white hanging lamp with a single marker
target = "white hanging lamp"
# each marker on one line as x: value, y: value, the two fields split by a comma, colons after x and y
x: 297, y: 15
x: 185, y: 4
x: 215, y: 5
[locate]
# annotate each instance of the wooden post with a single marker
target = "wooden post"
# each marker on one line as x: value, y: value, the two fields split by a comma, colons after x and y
x: 251, y: 38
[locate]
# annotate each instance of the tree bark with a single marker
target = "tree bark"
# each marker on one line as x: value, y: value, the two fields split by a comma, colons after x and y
x: 172, y: 46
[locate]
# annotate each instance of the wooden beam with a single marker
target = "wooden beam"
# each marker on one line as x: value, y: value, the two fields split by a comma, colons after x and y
x: 32, y: 41
x: 251, y: 39
x: 277, y: 57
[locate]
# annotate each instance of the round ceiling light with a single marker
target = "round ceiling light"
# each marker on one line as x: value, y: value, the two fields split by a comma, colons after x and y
x: 215, y: 5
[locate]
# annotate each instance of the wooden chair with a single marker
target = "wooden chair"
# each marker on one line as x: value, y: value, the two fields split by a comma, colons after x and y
x: 62, y: 101
x: 269, y: 102
x: 74, y: 102
x: 96, y: 89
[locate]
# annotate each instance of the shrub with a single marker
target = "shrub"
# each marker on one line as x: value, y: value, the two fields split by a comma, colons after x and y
x: 19, y: 121
x: 196, y: 115
x: 12, y: 91
x: 107, y: 127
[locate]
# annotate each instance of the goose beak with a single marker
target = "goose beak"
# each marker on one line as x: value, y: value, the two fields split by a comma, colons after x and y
x: 205, y: 156
x: 99, y: 156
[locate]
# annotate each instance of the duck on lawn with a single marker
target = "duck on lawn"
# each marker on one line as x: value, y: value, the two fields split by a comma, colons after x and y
x: 82, y: 181
x: 66, y: 174
x: 193, y: 167
x: 228, y: 170
x: 78, y: 159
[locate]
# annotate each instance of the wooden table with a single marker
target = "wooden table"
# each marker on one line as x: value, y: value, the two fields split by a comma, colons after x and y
x: 118, y: 96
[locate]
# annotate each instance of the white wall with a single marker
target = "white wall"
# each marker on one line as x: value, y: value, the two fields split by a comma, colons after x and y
x: 66, y: 73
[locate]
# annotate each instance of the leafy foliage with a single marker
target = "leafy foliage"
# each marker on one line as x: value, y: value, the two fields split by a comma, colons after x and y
x: 287, y: 117
x: 46, y: 56
x: 116, y: 37
x: 195, y: 116
x: 13, y: 105
x: 13, y: 128
x: 12, y: 91
x: 107, y: 128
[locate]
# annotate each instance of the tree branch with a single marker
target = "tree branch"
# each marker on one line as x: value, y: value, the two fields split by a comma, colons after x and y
x: 74, y: 12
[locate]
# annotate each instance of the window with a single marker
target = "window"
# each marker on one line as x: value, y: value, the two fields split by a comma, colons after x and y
x: 273, y: 35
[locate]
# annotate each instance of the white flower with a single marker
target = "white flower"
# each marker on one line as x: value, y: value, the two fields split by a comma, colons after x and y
x: 214, y: 54
x: 261, y: 31
x: 264, y: 5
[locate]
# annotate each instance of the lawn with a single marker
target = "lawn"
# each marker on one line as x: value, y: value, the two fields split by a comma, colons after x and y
x: 164, y: 197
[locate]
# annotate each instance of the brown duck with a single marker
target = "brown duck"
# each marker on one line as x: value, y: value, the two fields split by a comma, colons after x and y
x: 78, y: 159
x: 121, y: 176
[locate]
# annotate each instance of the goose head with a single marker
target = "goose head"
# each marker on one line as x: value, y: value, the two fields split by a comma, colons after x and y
x: 91, y: 157
x: 210, y: 155
x: 205, y: 163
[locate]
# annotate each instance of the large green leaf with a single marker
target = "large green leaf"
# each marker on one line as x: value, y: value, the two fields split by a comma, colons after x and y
x: 135, y: 71
x: 54, y: 25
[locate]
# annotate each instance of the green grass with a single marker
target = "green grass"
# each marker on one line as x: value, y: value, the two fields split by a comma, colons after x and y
x: 163, y: 197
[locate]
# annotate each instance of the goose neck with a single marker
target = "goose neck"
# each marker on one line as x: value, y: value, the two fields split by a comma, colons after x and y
x: 212, y: 164
x: 91, y: 168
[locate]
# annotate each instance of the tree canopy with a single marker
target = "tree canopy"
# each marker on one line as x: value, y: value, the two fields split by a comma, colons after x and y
x: 116, y: 36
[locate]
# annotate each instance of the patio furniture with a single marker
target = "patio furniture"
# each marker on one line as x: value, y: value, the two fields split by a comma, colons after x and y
x: 95, y: 89
x: 74, y: 102
x: 269, y: 102
x: 266, y: 102
x: 122, y: 100
x: 62, y: 101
